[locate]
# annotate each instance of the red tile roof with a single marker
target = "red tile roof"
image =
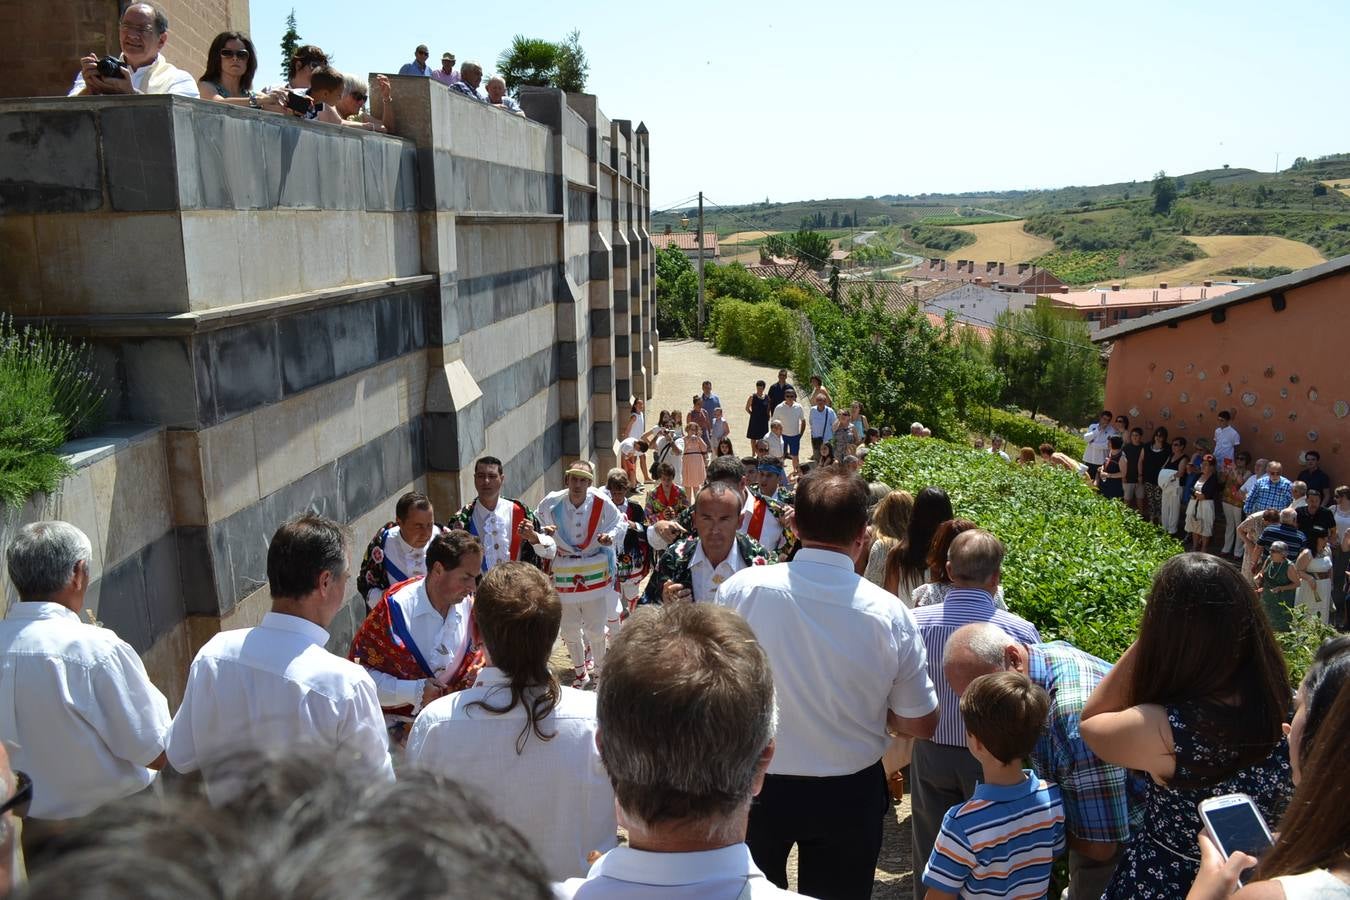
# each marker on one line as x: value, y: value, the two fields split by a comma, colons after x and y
x: 988, y: 273
x: 1169, y: 296
x: 686, y: 240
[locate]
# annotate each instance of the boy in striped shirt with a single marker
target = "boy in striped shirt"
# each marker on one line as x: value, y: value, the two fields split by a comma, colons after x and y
x: 1004, y: 840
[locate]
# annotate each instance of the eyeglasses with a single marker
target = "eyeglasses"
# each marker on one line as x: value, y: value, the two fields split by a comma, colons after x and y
x: 234, y: 54
x: 142, y: 30
x: 23, y: 796
x: 360, y: 97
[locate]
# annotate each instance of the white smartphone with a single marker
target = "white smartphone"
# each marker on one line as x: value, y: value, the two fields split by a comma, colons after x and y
x: 1234, y: 824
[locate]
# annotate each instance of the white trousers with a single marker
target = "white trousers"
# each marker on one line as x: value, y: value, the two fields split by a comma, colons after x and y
x: 1171, y: 506
x: 1232, y: 518
x: 583, y: 620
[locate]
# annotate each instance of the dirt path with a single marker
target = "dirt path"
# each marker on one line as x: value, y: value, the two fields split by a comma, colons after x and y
x: 684, y: 366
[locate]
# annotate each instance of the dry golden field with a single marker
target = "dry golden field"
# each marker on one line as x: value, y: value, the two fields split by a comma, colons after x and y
x: 1002, y: 241
x: 1229, y: 250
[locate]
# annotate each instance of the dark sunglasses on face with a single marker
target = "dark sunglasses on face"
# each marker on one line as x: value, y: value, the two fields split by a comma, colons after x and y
x: 23, y: 796
x: 234, y: 54
x: 360, y: 97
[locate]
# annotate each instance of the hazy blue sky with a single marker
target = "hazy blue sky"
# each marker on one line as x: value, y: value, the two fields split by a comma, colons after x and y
x: 796, y: 100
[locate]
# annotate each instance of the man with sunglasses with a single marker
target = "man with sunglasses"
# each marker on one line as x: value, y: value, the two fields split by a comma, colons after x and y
x: 76, y: 704
x: 418, y: 643
x: 142, y: 32
x: 419, y: 64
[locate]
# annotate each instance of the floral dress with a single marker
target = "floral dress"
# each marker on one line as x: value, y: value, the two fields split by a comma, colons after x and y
x: 1162, y: 858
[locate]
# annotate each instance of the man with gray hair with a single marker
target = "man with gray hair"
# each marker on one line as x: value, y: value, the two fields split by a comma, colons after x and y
x: 686, y: 768
x: 1096, y: 795
x: 849, y: 670
x: 943, y: 771
x: 272, y: 687
x: 76, y: 706
x: 142, y: 68
x: 496, y: 91
x: 470, y: 77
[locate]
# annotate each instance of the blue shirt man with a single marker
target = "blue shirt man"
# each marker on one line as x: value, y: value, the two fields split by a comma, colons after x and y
x: 1272, y: 492
x: 419, y: 64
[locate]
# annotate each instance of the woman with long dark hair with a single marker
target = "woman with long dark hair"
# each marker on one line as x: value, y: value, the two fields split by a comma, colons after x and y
x: 231, y: 63
x: 907, y: 564
x: 1311, y: 856
x: 1198, y: 702
x: 518, y: 735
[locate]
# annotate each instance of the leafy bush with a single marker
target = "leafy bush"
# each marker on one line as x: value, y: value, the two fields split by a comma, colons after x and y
x: 1080, y: 266
x: 964, y: 220
x: 47, y: 395
x: 936, y: 238
x: 1306, y: 633
x: 1261, y: 273
x: 763, y: 332
x: 1078, y: 566
x: 1023, y: 431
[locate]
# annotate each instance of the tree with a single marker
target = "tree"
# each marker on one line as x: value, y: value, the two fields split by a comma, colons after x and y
x: 289, y: 41
x: 572, y: 64
x: 1049, y: 362
x: 540, y: 63
x: 834, y: 219
x: 1319, y: 189
x: 810, y: 249
x: 676, y: 293
x: 1164, y: 194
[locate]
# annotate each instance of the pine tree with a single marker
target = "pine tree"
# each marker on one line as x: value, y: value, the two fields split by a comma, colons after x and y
x: 289, y: 41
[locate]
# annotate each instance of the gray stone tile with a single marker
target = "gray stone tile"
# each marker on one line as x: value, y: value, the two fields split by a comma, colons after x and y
x: 196, y: 570
x: 245, y: 368
x: 122, y: 605
x: 163, y: 584
x: 306, y: 351
x: 139, y: 157
x: 50, y: 162
x: 160, y: 383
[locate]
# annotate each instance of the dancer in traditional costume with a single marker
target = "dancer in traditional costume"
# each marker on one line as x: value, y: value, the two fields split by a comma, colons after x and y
x: 634, y: 556
x: 768, y: 505
x: 507, y: 528
x: 587, y: 530
x: 418, y: 642
x: 398, y: 550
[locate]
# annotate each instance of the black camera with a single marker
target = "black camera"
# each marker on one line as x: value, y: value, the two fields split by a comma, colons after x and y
x: 110, y: 67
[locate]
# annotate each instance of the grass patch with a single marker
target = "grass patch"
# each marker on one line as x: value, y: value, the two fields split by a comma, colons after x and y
x: 934, y: 237
x: 1260, y: 273
x: 1078, y: 566
x: 965, y: 220
x: 1081, y: 266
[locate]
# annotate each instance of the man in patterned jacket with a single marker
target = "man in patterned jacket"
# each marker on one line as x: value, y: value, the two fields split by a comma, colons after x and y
x: 692, y: 568
x: 508, y: 529
x: 399, y: 549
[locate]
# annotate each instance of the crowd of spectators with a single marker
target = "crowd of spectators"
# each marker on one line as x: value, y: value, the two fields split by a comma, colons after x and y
x: 314, y: 90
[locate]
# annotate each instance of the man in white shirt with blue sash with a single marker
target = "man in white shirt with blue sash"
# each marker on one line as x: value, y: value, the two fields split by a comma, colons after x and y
x: 587, y: 529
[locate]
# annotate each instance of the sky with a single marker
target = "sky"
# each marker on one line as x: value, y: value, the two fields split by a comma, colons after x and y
x: 806, y: 101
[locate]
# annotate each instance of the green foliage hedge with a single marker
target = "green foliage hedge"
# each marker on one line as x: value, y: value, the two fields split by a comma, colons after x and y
x: 1080, y: 266
x: 937, y: 238
x: 1260, y: 273
x: 1078, y: 566
x: 1021, y: 431
x: 964, y: 220
x: 764, y: 332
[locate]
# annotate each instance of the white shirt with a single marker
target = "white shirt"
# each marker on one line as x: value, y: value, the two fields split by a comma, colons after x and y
x: 494, y: 531
x: 274, y: 688
x: 555, y: 792
x: 1226, y: 440
x: 775, y: 442
x: 441, y: 640
x: 791, y: 417
x: 727, y: 873
x: 401, y: 556
x: 168, y: 78
x: 637, y: 425
x: 843, y: 652
x: 1098, y: 443
x: 77, y: 710
x: 705, y: 578
x: 628, y: 448
x: 573, y: 522
x: 771, y: 537
x: 822, y: 423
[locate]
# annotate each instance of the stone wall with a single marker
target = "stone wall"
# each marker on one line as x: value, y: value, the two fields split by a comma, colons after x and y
x: 308, y: 316
x: 42, y: 42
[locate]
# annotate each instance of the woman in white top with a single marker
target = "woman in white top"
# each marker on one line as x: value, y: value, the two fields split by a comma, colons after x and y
x: 1311, y: 856
x: 1314, y: 590
x: 637, y: 426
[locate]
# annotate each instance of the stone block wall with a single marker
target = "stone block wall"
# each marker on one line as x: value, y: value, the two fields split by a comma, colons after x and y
x: 66, y: 30
x: 294, y: 316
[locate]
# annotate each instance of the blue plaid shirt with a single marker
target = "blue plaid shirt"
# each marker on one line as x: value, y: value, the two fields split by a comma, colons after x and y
x: 1267, y: 495
x: 1097, y: 796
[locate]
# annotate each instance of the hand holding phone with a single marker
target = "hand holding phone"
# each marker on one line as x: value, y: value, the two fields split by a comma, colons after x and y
x: 298, y: 103
x: 1234, y: 824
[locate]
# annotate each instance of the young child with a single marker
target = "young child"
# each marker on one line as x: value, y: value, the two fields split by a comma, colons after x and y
x: 774, y: 439
x: 695, y: 457
x: 667, y: 500
x: 1004, y: 840
x: 325, y: 89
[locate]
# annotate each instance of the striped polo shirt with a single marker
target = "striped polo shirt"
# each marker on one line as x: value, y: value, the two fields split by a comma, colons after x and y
x: 1002, y: 842
x: 962, y: 606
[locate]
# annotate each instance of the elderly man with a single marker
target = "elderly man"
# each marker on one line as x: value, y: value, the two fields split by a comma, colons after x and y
x: 470, y: 77
x: 508, y: 529
x: 1272, y: 492
x: 1096, y: 795
x: 587, y: 530
x: 419, y: 64
x: 275, y: 688
x: 76, y: 706
x: 417, y: 642
x: 849, y: 668
x: 142, y: 32
x: 916, y: 429
x: 1287, y: 530
x: 496, y: 91
x: 446, y: 74
x: 686, y: 769
x: 822, y: 420
x: 943, y: 770
x: 691, y: 570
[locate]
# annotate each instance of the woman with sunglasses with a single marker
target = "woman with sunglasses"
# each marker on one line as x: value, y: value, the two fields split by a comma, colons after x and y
x: 1200, y: 509
x: 352, y: 109
x: 1234, y: 477
x: 231, y: 64
x: 1170, y: 479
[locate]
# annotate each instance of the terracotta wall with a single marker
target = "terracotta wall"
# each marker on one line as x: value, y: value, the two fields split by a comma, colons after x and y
x: 42, y: 42
x: 1284, y: 375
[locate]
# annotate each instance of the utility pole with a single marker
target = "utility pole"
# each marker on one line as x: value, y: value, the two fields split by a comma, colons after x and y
x: 700, y: 265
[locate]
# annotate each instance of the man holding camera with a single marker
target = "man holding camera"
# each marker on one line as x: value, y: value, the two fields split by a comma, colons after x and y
x: 143, y: 31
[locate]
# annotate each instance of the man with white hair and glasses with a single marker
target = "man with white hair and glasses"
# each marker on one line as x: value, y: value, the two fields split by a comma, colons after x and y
x: 76, y: 706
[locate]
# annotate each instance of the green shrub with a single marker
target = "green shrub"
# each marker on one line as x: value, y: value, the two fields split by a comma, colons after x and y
x: 1080, y: 266
x: 47, y: 396
x: 1078, y: 566
x: 763, y: 332
x: 1260, y: 273
x: 937, y: 238
x: 1022, y: 431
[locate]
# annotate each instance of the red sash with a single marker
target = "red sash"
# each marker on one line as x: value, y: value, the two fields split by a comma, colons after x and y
x: 517, y: 519
x: 756, y: 527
